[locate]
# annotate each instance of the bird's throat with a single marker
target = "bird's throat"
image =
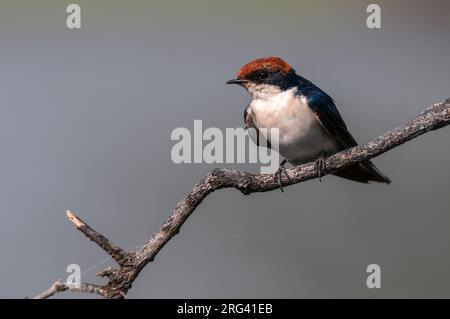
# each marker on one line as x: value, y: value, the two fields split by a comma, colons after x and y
x: 262, y: 91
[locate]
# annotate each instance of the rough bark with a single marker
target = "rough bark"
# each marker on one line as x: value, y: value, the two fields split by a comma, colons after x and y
x: 130, y: 263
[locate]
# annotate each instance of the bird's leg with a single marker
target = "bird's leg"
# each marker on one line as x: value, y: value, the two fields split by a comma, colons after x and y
x: 278, y: 174
x: 320, y: 165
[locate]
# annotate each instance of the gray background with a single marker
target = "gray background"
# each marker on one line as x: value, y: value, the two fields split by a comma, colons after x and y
x: 85, y: 123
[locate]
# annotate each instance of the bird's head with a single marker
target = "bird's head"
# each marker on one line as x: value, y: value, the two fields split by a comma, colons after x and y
x: 266, y: 77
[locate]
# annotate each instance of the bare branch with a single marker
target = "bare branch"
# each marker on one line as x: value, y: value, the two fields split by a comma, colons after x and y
x: 434, y: 117
x: 117, y: 253
x: 131, y: 263
x: 60, y: 286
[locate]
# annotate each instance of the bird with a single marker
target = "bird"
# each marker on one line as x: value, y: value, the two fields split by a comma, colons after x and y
x: 309, y: 124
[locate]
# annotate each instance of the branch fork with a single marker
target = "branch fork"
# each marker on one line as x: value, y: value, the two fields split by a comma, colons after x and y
x: 132, y: 262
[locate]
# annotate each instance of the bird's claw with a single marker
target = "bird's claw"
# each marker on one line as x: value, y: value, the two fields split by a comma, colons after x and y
x: 320, y: 166
x: 280, y: 170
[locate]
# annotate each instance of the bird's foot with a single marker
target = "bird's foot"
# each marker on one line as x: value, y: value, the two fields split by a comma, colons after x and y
x: 280, y: 170
x: 320, y: 166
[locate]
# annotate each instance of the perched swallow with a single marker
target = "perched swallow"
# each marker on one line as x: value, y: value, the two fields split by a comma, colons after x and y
x: 310, y: 126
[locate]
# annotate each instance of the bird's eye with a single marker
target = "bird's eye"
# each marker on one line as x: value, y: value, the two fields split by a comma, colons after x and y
x: 263, y: 75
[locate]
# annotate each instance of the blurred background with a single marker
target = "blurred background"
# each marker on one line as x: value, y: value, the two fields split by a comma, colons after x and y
x: 85, y: 123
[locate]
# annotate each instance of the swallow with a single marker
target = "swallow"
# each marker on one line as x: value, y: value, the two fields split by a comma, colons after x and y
x: 308, y: 121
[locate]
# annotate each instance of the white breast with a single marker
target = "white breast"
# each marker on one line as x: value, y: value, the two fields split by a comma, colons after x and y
x: 301, y: 136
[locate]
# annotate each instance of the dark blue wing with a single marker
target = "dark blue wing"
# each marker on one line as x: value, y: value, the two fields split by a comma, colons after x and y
x: 326, y: 112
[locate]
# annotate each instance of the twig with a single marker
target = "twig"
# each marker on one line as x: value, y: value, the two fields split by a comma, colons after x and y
x: 60, y: 286
x: 117, y: 253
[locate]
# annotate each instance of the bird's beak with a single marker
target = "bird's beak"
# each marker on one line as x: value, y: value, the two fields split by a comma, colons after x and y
x: 236, y: 81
